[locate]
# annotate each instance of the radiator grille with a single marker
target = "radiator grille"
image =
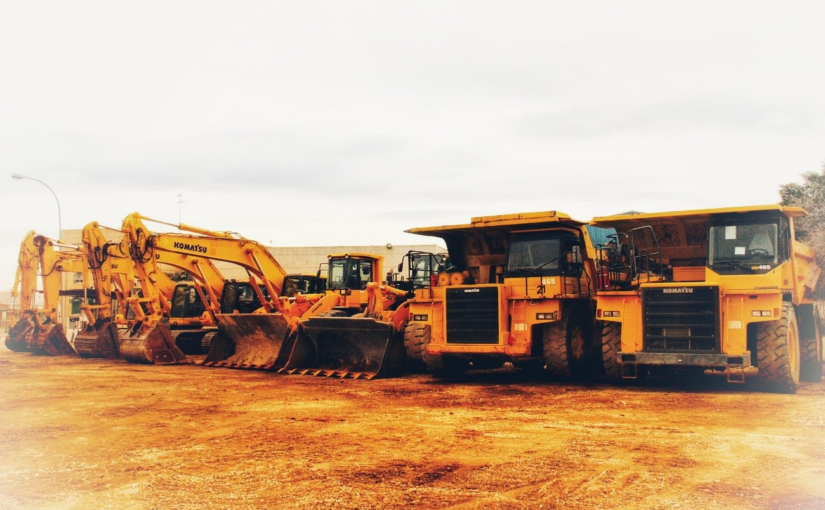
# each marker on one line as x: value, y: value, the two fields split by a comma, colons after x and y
x: 472, y: 315
x: 681, y: 319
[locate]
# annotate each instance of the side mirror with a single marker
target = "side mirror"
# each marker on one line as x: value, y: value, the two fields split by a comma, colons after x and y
x: 574, y: 256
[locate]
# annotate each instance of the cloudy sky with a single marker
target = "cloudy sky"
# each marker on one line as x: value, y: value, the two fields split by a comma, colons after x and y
x: 323, y: 123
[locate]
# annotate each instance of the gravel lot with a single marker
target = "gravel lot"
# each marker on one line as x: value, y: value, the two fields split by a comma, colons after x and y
x: 79, y: 433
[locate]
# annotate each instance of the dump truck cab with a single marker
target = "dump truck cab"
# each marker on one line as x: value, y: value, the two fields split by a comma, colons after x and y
x: 520, y: 289
x: 721, y: 290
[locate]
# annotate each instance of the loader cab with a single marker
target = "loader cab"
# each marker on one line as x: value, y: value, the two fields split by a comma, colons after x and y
x: 748, y: 244
x: 352, y: 272
x: 422, y: 270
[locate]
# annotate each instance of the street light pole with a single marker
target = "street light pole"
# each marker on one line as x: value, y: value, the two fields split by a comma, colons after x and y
x: 59, y: 217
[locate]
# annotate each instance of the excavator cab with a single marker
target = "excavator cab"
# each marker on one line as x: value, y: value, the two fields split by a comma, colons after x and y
x: 304, y: 284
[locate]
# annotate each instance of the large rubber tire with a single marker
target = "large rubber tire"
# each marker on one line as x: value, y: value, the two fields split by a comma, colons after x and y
x: 811, y: 354
x: 416, y: 338
x: 611, y: 346
x: 566, y: 343
x: 777, y: 353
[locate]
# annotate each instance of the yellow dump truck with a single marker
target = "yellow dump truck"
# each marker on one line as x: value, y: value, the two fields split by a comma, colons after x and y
x: 726, y: 291
x: 520, y: 289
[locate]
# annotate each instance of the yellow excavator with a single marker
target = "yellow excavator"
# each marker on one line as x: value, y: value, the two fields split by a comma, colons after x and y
x: 190, y: 305
x: 38, y: 331
x: 161, y: 311
x: 113, y: 276
x: 246, y: 339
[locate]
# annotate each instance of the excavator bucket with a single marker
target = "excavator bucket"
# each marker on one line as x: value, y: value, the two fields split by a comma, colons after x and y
x: 98, y: 340
x: 346, y: 347
x: 48, y: 339
x: 144, y: 343
x: 16, y: 341
x: 248, y: 341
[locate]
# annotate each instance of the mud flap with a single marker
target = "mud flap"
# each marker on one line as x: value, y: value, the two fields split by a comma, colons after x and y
x: 50, y: 340
x: 98, y: 340
x: 144, y: 343
x: 346, y: 347
x: 16, y: 340
x: 250, y: 340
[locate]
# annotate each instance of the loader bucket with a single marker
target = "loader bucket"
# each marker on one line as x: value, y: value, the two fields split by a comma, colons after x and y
x: 98, y: 340
x: 48, y: 339
x: 16, y: 341
x: 145, y: 343
x: 248, y: 340
x: 346, y: 347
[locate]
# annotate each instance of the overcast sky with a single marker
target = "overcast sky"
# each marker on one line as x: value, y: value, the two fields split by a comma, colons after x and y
x: 324, y: 123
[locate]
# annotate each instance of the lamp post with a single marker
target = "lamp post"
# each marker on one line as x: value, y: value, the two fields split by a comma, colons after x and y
x: 59, y: 218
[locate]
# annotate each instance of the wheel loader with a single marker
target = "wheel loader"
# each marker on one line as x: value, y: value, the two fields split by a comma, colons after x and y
x: 719, y: 291
x: 38, y: 330
x: 521, y: 289
x: 355, y: 330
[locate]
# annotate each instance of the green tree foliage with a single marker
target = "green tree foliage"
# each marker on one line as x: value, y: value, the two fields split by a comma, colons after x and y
x: 810, y: 194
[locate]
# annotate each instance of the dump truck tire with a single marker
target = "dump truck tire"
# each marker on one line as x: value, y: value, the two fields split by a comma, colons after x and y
x: 811, y: 349
x: 445, y: 367
x: 566, y: 343
x: 778, y: 356
x: 416, y: 338
x: 611, y: 346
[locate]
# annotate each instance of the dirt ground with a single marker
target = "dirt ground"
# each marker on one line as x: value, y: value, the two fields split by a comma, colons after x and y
x: 79, y: 433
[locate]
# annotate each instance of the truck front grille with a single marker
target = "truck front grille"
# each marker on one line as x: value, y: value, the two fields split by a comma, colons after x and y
x: 472, y: 315
x: 681, y: 319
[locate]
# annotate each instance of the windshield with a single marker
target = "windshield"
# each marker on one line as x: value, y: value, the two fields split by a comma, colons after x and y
x: 349, y: 273
x: 302, y: 285
x: 534, y: 254
x: 425, y: 265
x: 743, y: 244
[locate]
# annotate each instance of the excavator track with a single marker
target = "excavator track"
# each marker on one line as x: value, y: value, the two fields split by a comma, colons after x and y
x: 346, y: 347
x: 251, y: 341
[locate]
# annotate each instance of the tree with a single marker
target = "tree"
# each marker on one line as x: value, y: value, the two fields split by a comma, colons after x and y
x: 810, y: 195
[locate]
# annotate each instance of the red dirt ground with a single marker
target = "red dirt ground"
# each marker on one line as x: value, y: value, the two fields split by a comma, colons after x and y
x: 79, y: 433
